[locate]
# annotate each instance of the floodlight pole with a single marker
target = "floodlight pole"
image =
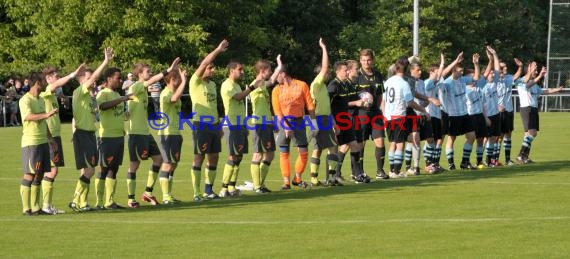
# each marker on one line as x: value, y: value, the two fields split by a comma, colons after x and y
x: 417, y: 27
x: 548, y: 46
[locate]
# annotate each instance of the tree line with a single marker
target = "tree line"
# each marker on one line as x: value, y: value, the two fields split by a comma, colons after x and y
x: 64, y: 33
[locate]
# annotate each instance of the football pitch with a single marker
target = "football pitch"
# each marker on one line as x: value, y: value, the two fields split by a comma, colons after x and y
x: 518, y: 211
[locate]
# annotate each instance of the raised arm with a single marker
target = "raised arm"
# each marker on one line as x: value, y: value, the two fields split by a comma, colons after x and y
x: 552, y: 90
x: 63, y: 80
x: 489, y: 64
x: 530, y: 70
x: 178, y: 93
x: 475, y: 60
x: 223, y: 46
x: 273, y: 78
x: 108, y: 56
x: 159, y: 76
x: 324, y: 59
x: 519, y: 69
x: 496, y: 65
x: 452, y: 64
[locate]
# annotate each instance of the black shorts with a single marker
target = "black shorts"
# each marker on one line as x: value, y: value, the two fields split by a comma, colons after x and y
x: 207, y: 138
x: 85, y: 149
x: 236, y: 137
x: 141, y: 147
x: 444, y: 123
x: 479, y: 125
x: 436, y: 127
x: 111, y: 151
x: 35, y: 159
x: 459, y: 125
x: 299, y: 134
x: 170, y: 148
x: 359, y: 127
x: 507, y: 121
x: 396, y: 130
x: 375, y: 128
x: 529, y: 116
x: 324, y: 137
x: 262, y: 138
x: 495, y: 129
x: 56, y: 157
x: 346, y: 132
x: 412, y: 121
x: 426, y: 130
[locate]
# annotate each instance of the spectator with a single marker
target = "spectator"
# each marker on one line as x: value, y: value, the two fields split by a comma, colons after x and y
x: 154, y: 91
x: 26, y: 86
x: 13, y: 95
x: 127, y: 84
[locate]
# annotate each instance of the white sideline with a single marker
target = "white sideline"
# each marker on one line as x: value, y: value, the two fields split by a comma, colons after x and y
x: 327, y: 222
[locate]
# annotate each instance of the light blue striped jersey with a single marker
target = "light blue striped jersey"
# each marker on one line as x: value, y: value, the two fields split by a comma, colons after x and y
x: 454, y: 95
x: 432, y: 91
x: 528, y: 96
x: 505, y: 91
x: 491, y: 96
x: 397, y: 95
x: 474, y: 100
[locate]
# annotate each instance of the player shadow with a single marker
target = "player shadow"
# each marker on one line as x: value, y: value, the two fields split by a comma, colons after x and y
x: 393, y: 184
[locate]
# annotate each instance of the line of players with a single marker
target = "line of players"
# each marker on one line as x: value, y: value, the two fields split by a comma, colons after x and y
x: 290, y: 98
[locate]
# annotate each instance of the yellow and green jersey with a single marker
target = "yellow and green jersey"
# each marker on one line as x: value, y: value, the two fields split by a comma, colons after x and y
x: 260, y: 104
x: 111, y: 120
x: 51, y: 103
x: 35, y: 132
x: 320, y: 96
x: 233, y: 108
x: 83, y: 109
x: 171, y: 110
x: 138, y: 104
x: 204, y: 99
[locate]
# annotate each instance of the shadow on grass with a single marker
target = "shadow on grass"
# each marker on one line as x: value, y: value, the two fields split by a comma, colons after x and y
x: 418, y: 181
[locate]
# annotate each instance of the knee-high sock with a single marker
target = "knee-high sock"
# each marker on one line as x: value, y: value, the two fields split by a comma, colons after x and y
x: 151, y: 179
x: 264, y: 167
x: 466, y: 152
x: 449, y: 154
x: 408, y: 154
x: 25, y: 193
x: 131, y: 185
x: 110, y: 189
x: 416, y: 155
x: 255, y: 171
x: 479, y: 151
x: 163, y: 178
x: 196, y: 178
x: 507, y: 143
x: 47, y: 191
x: 210, y: 177
x: 379, y: 153
x: 301, y: 164
x: 84, y: 182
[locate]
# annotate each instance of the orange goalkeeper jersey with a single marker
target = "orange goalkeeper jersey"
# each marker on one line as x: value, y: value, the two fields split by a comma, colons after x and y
x: 292, y: 99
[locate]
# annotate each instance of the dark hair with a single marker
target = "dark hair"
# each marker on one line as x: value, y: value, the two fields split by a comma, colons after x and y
x: 111, y: 71
x: 401, y: 64
x: 173, y: 75
x: 139, y: 68
x: 49, y: 70
x: 262, y: 64
x: 352, y: 63
x: 35, y: 77
x: 367, y: 52
x: 339, y: 64
x: 83, y: 72
x: 433, y: 67
x: 233, y: 65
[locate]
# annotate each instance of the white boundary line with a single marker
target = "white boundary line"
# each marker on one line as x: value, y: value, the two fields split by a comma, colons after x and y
x: 54, y: 219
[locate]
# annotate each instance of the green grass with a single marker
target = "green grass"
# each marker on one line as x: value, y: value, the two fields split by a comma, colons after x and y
x: 521, y: 211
